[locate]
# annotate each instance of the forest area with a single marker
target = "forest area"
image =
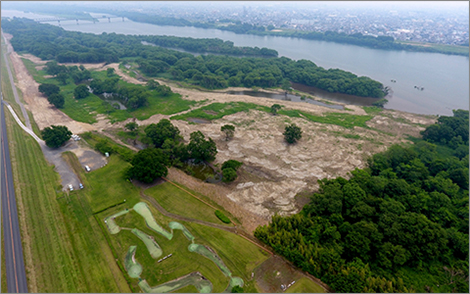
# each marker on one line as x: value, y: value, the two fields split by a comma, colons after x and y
x: 399, y: 225
x: 209, y: 71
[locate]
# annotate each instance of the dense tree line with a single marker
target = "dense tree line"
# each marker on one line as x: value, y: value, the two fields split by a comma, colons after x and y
x: 407, y: 210
x: 217, y: 46
x: 379, y: 42
x: 211, y: 71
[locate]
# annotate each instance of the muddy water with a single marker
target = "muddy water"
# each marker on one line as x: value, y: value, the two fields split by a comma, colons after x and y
x: 337, y: 97
x: 201, y: 171
x: 288, y: 97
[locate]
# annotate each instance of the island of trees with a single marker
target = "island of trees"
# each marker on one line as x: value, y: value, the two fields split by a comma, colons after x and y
x: 211, y: 72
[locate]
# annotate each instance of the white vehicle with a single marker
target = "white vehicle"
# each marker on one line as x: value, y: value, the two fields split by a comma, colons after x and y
x: 87, y: 168
x: 80, y: 185
x: 70, y: 187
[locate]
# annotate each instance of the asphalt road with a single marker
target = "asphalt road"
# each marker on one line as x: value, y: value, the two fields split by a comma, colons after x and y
x: 16, y: 275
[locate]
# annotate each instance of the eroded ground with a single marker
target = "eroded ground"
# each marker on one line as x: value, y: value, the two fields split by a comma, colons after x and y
x: 273, y: 172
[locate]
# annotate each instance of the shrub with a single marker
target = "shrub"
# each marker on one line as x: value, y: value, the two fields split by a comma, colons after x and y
x: 233, y: 164
x: 222, y: 217
x: 229, y: 175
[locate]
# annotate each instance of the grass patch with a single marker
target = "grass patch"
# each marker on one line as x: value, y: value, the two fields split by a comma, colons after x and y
x: 345, y: 120
x: 239, y: 255
x: 38, y: 75
x: 34, y: 125
x: 372, y: 109
x: 176, y: 201
x: 220, y: 110
x: 3, y: 276
x: 305, y: 285
x: 109, y: 187
x: 443, y: 48
x: 62, y: 249
x: 7, y: 92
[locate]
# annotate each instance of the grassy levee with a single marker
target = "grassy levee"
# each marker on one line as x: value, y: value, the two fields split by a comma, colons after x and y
x: 305, y: 285
x: 38, y: 75
x: 63, y: 249
x: 176, y: 201
x: 219, y: 110
x: 238, y: 254
x: 7, y: 91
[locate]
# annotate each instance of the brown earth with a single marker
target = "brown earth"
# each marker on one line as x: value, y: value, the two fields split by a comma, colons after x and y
x: 273, y: 172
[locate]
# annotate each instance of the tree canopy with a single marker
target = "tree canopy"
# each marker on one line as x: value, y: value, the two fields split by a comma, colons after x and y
x: 48, y: 89
x: 81, y: 91
x: 201, y: 149
x: 292, y: 133
x: 228, y: 130
x: 148, y: 164
x: 56, y: 136
x: 56, y: 99
x: 162, y: 131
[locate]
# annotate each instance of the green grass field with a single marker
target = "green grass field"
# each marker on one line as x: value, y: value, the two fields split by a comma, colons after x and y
x: 238, y: 254
x: 108, y: 186
x: 3, y: 276
x: 177, y: 201
x: 305, y: 285
x: 63, y: 252
x: 219, y: 110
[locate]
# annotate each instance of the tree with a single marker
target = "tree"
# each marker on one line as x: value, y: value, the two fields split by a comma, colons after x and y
x: 56, y: 136
x: 201, y: 149
x: 292, y: 133
x: 229, y: 131
x: 233, y: 164
x: 81, y: 91
x: 62, y: 77
x: 110, y: 72
x: 148, y: 164
x: 380, y: 103
x: 285, y: 85
x: 152, y: 84
x: 237, y: 289
x: 131, y: 126
x: 275, y: 108
x: 158, y: 133
x: 57, y: 100
x: 48, y: 89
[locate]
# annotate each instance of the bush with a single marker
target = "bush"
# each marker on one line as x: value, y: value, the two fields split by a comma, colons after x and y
x: 222, y: 217
x: 233, y: 164
x: 292, y: 133
x: 104, y: 146
x: 228, y: 175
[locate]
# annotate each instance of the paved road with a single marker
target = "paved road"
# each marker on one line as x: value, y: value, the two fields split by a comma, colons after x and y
x: 16, y: 275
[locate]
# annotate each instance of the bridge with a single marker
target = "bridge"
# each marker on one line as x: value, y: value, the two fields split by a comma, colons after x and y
x: 95, y: 20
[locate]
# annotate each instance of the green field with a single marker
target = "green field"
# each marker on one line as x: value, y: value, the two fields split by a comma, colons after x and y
x: 176, y: 201
x: 237, y: 253
x: 62, y: 254
x: 441, y: 47
x: 7, y: 91
x: 305, y: 285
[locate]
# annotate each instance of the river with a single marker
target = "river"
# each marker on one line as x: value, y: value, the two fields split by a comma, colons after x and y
x: 445, y: 78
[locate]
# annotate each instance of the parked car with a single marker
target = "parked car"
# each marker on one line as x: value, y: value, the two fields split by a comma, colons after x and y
x: 70, y: 187
x: 80, y: 185
x: 87, y: 168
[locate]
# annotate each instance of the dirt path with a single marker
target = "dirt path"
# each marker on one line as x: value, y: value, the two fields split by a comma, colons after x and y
x: 44, y: 114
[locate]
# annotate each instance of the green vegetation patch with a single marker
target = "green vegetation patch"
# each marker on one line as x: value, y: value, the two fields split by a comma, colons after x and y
x: 219, y: 110
x: 143, y: 209
x: 134, y: 269
x: 152, y: 246
x: 38, y: 75
x: 222, y: 216
x: 196, y: 279
x: 305, y: 285
x: 372, y: 109
x: 175, y: 200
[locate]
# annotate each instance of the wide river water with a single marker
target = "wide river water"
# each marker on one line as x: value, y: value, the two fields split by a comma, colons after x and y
x: 445, y: 78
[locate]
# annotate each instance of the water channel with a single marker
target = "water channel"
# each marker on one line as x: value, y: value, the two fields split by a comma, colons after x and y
x: 445, y: 78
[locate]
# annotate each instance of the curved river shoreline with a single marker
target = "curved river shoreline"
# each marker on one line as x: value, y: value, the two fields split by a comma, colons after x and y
x: 445, y: 78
